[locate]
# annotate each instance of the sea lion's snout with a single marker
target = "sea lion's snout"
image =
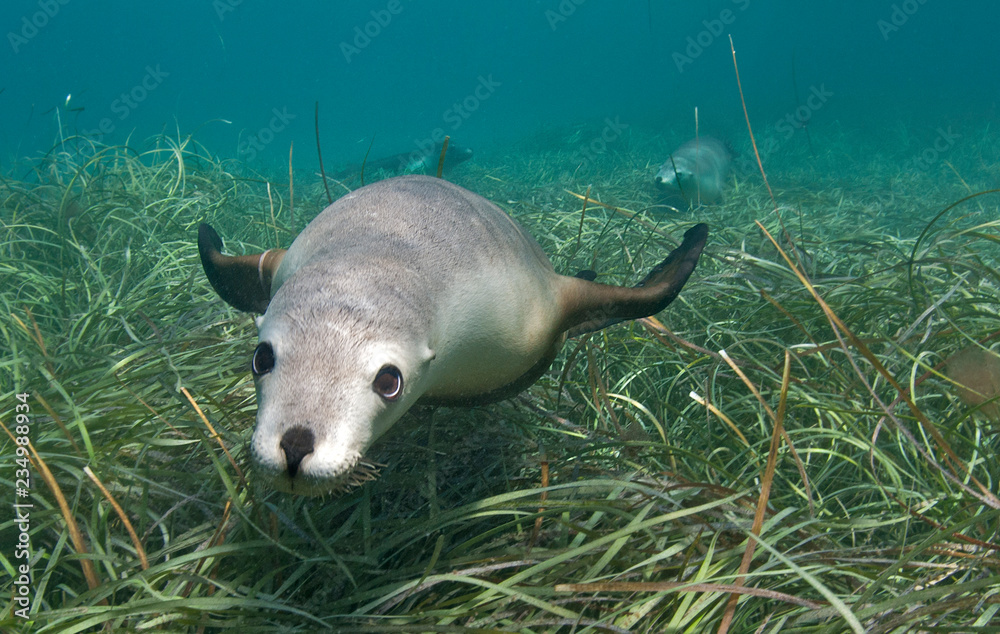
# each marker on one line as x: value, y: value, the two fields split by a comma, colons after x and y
x: 307, y: 461
x: 670, y: 176
x: 296, y: 444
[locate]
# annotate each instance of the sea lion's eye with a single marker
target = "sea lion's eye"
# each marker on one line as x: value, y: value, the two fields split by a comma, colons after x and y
x: 263, y: 359
x: 388, y: 383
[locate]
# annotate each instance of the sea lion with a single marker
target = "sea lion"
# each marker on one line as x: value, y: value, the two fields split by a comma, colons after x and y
x: 696, y: 171
x: 409, y: 289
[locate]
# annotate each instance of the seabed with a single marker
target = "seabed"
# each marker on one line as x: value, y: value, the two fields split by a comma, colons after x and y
x: 795, y: 400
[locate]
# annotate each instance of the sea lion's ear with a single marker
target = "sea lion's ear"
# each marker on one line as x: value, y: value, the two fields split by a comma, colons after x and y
x: 588, y: 306
x: 244, y: 281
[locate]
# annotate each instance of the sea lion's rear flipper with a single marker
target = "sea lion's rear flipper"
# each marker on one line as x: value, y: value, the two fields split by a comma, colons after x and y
x: 588, y: 306
x: 244, y: 281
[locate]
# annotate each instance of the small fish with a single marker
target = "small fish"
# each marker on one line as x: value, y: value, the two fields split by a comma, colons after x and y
x: 66, y: 105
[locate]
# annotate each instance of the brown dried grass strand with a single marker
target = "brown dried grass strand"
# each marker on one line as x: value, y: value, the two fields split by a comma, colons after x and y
x: 143, y: 561
x: 214, y: 434
x: 765, y: 494
x: 444, y: 150
x: 89, y: 572
x: 667, y: 586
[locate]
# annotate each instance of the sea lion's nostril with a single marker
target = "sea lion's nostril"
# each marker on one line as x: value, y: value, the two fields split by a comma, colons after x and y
x: 297, y: 443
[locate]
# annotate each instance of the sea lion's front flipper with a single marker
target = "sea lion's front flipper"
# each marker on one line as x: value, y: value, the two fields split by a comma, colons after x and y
x: 244, y: 281
x: 588, y: 306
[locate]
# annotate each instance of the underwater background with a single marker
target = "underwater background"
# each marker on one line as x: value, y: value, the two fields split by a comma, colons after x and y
x: 150, y: 67
x: 806, y: 440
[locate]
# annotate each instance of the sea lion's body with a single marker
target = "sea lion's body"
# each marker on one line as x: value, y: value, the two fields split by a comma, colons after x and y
x: 420, y: 276
x: 696, y: 171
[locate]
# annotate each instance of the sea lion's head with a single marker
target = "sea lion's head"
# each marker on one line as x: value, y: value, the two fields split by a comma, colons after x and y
x: 329, y: 382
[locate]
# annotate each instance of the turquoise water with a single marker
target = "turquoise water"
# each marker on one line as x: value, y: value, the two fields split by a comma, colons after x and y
x: 871, y: 118
x: 244, y: 76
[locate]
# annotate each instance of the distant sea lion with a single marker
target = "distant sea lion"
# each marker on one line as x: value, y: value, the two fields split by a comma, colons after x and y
x: 696, y: 171
x: 410, y: 289
x: 420, y: 161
